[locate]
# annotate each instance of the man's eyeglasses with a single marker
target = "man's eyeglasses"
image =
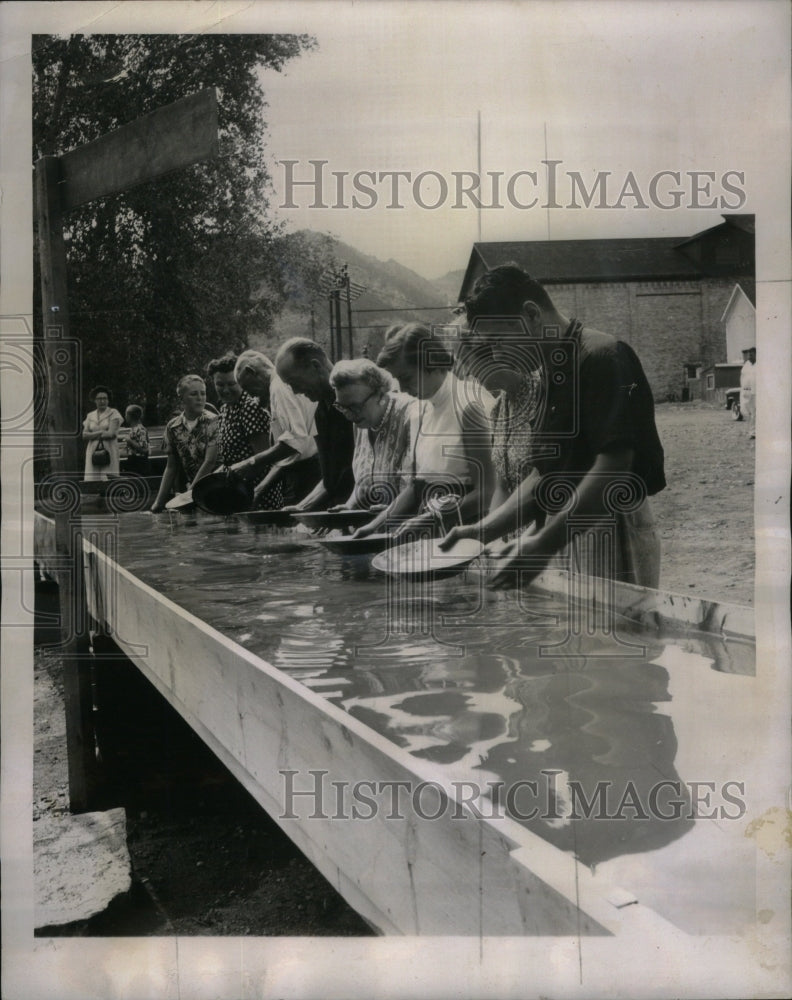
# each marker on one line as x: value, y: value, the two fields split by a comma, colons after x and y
x: 355, y: 408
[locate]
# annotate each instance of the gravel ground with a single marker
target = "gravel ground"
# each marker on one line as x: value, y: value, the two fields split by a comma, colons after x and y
x: 207, y: 860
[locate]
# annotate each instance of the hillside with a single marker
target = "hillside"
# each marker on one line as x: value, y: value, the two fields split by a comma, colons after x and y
x: 392, y: 293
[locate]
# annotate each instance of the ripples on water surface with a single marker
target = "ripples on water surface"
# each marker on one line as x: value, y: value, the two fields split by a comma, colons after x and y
x: 456, y: 676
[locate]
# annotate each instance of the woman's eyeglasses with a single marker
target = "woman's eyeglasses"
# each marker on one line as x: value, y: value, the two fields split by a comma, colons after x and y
x: 355, y: 408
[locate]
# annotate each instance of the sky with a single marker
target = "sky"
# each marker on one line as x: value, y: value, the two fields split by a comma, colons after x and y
x: 616, y: 87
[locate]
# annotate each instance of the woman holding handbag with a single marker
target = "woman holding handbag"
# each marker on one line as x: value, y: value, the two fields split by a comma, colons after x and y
x: 100, y: 430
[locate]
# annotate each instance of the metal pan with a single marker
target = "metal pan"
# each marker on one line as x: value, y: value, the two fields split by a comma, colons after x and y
x: 346, y: 546
x: 182, y: 501
x: 335, y: 518
x: 219, y: 493
x: 424, y: 559
x: 276, y: 518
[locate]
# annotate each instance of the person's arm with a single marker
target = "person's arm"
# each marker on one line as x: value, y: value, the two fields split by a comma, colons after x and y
x: 166, y: 484
x: 516, y: 512
x: 112, y: 432
x: 477, y: 442
x: 295, y: 418
x: 248, y: 467
x: 528, y: 556
x: 313, y: 500
x: 392, y: 517
x: 270, y: 479
x: 208, y: 465
x: 89, y: 435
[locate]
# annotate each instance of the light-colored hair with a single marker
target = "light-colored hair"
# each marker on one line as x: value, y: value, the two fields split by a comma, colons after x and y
x: 418, y: 347
x: 256, y: 361
x: 361, y: 370
x: 187, y: 380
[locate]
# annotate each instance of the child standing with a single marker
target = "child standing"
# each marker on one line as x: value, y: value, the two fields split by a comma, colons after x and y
x: 137, y: 442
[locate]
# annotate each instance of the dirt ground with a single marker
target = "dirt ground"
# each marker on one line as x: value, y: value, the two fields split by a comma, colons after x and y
x: 205, y: 858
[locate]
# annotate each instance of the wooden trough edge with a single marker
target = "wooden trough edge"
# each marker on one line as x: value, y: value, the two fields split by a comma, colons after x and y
x: 474, y: 876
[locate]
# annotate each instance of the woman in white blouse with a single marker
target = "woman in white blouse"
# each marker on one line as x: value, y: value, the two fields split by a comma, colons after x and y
x: 451, y: 438
x: 100, y: 428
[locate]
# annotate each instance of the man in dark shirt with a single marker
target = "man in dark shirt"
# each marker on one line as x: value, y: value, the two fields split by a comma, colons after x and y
x: 305, y: 368
x: 594, y: 447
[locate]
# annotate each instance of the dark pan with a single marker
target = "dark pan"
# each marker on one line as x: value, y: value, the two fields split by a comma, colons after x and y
x: 276, y: 518
x: 219, y: 493
x: 335, y: 518
x: 346, y: 546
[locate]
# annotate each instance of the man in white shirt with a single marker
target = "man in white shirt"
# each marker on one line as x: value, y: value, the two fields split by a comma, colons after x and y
x: 292, y: 455
x: 748, y: 390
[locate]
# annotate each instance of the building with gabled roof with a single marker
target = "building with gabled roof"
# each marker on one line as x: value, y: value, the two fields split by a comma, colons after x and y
x: 665, y: 296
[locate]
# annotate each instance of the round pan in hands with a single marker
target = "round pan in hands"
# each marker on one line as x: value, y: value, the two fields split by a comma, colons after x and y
x: 334, y: 518
x: 182, y: 501
x: 219, y: 493
x: 276, y: 518
x: 348, y: 546
x: 424, y: 558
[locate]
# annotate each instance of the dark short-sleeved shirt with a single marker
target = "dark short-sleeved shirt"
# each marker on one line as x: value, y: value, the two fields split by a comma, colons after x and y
x: 335, y: 442
x: 597, y: 400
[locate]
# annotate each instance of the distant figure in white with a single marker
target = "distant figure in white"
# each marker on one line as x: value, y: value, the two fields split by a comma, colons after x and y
x: 748, y: 390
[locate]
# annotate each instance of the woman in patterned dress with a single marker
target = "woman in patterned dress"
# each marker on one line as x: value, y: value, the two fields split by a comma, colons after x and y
x: 243, y: 429
x: 382, y: 416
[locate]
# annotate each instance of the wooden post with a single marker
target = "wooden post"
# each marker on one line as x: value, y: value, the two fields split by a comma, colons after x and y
x: 63, y: 423
x: 168, y: 139
x: 349, y: 312
x: 333, y: 357
x: 339, y: 330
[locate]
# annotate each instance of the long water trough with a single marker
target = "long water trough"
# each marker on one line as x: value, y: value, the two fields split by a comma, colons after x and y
x: 455, y: 762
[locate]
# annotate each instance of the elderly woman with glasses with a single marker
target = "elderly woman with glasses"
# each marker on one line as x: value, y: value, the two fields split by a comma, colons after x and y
x: 382, y: 416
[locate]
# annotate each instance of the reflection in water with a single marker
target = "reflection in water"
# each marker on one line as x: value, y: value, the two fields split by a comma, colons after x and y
x: 455, y: 676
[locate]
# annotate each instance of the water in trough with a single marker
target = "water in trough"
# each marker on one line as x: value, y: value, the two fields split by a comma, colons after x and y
x: 549, y: 721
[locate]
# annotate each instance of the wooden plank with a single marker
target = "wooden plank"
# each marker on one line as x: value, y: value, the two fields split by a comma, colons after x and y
x: 170, y: 138
x: 63, y: 425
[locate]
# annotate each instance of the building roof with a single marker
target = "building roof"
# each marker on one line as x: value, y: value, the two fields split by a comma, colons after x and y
x: 649, y: 258
x: 557, y: 261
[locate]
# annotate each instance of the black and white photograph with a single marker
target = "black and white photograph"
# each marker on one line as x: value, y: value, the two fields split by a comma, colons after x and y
x: 395, y: 499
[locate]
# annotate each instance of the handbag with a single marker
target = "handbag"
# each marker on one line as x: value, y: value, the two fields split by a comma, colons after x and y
x: 101, y: 456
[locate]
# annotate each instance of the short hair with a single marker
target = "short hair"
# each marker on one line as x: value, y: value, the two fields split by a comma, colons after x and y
x: 255, y: 360
x: 502, y: 291
x: 100, y: 388
x: 133, y: 412
x: 361, y: 370
x: 418, y: 347
x: 302, y: 351
x: 393, y: 329
x: 186, y: 380
x: 224, y: 364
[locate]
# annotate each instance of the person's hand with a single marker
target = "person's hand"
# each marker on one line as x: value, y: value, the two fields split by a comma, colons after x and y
x: 338, y: 508
x: 417, y: 524
x: 240, y: 470
x: 292, y: 508
x: 456, y: 533
x: 377, y: 507
x: 157, y: 508
x: 519, y: 562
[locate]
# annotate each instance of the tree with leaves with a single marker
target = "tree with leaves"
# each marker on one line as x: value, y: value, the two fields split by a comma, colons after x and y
x: 162, y: 277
